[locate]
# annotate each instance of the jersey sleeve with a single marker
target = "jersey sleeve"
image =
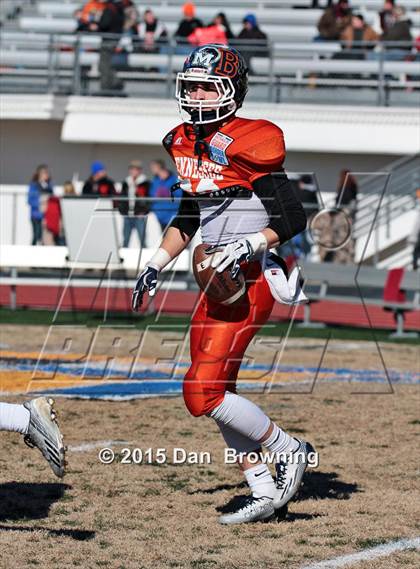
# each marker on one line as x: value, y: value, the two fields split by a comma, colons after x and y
x: 261, y: 152
x: 168, y: 140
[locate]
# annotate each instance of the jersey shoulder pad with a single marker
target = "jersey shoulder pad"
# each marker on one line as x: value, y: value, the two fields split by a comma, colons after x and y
x: 168, y: 139
x: 265, y: 129
x: 260, y: 148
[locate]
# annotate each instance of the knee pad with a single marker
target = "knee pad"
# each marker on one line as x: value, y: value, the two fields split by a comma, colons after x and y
x: 200, y: 396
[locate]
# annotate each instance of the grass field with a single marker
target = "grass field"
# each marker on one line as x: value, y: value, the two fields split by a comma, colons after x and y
x: 362, y: 494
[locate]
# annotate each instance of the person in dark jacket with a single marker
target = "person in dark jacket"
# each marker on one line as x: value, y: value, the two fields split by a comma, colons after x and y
x: 333, y: 21
x: 99, y: 184
x: 39, y: 190
x: 387, y: 15
x: 188, y: 25
x: 399, y: 32
x: 253, y: 41
x: 110, y: 22
x: 134, y: 209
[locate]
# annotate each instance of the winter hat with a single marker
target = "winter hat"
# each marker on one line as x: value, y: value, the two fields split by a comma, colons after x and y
x: 251, y: 19
x: 189, y: 9
x: 96, y: 167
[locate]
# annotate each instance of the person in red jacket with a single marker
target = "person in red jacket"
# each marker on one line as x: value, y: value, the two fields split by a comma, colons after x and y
x: 214, y: 33
x: 236, y: 191
x: 53, y: 220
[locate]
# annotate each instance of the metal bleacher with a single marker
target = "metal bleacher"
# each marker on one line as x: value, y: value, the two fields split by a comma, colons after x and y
x: 41, y: 53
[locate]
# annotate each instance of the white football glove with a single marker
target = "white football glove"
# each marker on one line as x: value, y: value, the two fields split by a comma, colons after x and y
x: 238, y: 252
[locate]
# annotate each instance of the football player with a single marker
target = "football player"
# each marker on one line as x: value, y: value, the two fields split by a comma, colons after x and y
x: 226, y: 165
x: 36, y: 421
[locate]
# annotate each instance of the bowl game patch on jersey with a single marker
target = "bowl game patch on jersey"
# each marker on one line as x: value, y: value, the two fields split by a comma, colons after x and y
x: 217, y: 148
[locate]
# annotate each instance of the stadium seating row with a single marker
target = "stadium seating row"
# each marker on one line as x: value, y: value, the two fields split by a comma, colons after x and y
x: 171, y: 14
x: 254, y: 5
x: 276, y: 32
x: 295, y: 67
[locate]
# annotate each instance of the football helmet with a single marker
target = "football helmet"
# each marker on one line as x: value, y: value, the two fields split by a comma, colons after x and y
x: 223, y: 69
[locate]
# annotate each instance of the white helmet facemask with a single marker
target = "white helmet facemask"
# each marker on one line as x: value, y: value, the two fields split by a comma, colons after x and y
x: 204, y: 111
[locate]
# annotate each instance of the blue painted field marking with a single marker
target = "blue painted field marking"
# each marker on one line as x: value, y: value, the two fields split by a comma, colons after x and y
x: 77, y: 369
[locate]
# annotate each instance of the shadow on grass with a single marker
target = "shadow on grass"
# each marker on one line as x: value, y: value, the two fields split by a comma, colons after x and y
x: 77, y: 534
x: 315, y: 485
x: 22, y: 501
x: 219, y: 488
x: 30, y: 501
x: 318, y: 485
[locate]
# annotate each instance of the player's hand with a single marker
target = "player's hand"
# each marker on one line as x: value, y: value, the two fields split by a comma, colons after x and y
x: 146, y: 282
x: 231, y: 255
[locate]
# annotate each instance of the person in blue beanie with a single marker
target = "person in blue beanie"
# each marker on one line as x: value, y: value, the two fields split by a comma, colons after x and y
x: 99, y: 183
x: 252, y: 40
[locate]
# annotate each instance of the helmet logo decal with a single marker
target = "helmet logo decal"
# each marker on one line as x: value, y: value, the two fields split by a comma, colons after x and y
x: 228, y: 64
x: 205, y: 57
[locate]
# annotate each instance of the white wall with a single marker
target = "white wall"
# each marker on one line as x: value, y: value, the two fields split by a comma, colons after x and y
x: 26, y: 143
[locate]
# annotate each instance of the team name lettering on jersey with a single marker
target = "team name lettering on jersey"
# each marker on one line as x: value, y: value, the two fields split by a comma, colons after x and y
x: 188, y: 168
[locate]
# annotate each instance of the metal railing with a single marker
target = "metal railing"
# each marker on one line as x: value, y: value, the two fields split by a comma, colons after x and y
x: 70, y: 63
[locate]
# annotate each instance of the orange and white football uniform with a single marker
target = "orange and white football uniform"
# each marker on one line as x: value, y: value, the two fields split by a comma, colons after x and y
x: 235, y: 156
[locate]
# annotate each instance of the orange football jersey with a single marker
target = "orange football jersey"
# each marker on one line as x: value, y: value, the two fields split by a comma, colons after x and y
x: 237, y: 153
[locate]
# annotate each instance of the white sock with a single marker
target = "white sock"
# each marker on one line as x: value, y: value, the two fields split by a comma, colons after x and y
x: 242, y: 416
x: 14, y: 418
x: 237, y: 441
x: 280, y: 442
x: 260, y: 481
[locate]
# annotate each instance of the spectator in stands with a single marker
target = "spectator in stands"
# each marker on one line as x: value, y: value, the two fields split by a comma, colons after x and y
x: 301, y: 244
x: 399, y: 31
x: 307, y: 192
x: 99, y: 184
x: 134, y: 209
x: 53, y: 225
x: 253, y: 41
x: 162, y: 182
x: 131, y: 17
x: 187, y: 26
x: 151, y: 32
x: 110, y: 22
x: 89, y: 16
x: 347, y: 189
x: 213, y: 33
x: 414, y: 237
x: 343, y: 219
x: 68, y: 189
x: 221, y: 20
x: 387, y: 16
x: 39, y: 190
x: 356, y: 33
x: 333, y: 21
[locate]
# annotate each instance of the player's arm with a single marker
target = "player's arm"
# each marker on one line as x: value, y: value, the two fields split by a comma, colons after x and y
x: 180, y: 232
x: 286, y: 218
x: 285, y: 212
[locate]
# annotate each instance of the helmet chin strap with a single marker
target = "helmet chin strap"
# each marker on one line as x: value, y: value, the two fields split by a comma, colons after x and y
x: 200, y: 145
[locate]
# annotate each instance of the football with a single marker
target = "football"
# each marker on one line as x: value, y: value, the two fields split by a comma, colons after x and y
x: 219, y: 287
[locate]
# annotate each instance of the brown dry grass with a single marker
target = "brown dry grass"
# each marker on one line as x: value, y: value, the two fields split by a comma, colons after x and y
x: 154, y: 516
x: 151, y: 516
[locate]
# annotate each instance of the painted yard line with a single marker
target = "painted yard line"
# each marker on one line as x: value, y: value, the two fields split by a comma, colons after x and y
x: 366, y: 554
x: 85, y: 447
